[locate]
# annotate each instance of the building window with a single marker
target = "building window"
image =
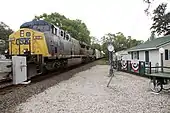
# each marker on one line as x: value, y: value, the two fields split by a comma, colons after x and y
x: 55, y: 49
x: 55, y: 31
x: 166, y: 54
x: 135, y: 55
x: 138, y: 55
x: 146, y: 56
x: 67, y: 37
x: 131, y: 55
x: 62, y: 34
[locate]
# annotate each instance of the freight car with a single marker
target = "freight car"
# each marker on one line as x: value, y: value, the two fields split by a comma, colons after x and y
x: 47, y: 47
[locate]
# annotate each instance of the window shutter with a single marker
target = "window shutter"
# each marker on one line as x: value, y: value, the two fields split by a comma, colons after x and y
x: 132, y: 55
x: 137, y: 54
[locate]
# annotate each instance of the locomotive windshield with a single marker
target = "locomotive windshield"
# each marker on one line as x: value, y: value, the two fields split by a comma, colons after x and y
x: 41, y: 28
x: 39, y: 25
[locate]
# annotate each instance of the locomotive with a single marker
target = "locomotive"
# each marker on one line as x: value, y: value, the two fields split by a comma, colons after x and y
x: 48, y: 47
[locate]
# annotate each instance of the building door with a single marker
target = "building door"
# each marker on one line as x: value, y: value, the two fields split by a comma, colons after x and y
x: 146, y: 56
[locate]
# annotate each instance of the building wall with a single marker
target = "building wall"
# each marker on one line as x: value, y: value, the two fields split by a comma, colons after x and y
x: 142, y: 56
x: 123, y: 55
x: 154, y: 57
x: 166, y: 62
x: 126, y: 57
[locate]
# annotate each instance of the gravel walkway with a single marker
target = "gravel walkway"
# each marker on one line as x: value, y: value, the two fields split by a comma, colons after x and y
x: 86, y: 92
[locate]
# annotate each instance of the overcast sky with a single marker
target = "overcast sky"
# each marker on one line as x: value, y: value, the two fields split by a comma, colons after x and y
x: 100, y: 16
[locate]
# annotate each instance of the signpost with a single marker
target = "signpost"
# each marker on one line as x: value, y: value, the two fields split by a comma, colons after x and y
x: 111, y: 51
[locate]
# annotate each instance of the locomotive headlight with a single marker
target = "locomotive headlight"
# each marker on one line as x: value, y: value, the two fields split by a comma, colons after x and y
x: 22, y: 33
x: 6, y: 51
x: 25, y: 51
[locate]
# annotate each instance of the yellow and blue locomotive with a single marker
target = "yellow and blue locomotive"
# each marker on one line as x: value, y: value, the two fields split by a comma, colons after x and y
x: 46, y: 46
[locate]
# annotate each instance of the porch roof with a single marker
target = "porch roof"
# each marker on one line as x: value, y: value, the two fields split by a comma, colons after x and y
x: 154, y: 44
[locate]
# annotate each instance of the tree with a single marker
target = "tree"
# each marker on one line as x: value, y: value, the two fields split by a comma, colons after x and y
x: 94, y: 40
x: 149, y: 2
x: 76, y: 28
x: 95, y: 43
x: 161, y: 20
x: 119, y: 41
x: 152, y: 37
x: 5, y: 31
x: 97, y: 46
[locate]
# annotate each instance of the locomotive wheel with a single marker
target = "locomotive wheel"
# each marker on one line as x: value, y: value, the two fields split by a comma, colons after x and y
x: 83, y: 60
x: 44, y: 70
x: 65, y: 63
x: 155, y: 85
x: 166, y: 85
x: 49, y: 66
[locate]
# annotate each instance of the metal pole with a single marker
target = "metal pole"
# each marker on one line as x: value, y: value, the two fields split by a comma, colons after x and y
x: 111, y: 50
x: 111, y: 63
x: 162, y: 62
x: 109, y: 57
x: 110, y: 80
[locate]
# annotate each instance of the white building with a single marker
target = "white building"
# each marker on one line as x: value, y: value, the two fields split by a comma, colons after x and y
x: 149, y: 51
x: 123, y: 55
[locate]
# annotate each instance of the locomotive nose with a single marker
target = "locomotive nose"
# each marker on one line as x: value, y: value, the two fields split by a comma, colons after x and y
x: 27, y: 41
x: 23, y: 41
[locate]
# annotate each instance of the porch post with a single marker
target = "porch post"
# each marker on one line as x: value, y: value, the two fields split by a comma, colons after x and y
x: 162, y: 62
x: 161, y: 50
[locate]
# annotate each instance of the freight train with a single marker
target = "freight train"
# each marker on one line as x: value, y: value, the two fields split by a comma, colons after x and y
x: 48, y: 47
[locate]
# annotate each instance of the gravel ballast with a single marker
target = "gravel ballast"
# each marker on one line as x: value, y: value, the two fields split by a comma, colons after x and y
x: 13, y: 96
x: 86, y: 92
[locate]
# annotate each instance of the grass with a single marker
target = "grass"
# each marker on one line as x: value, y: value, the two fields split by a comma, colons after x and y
x: 102, y: 62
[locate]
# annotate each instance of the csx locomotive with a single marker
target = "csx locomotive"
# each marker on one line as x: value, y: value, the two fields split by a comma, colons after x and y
x: 47, y: 47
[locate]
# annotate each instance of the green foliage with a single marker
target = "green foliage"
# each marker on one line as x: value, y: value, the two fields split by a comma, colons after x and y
x: 119, y: 41
x: 149, y: 2
x: 5, y: 31
x: 95, y: 43
x: 96, y: 46
x: 76, y: 28
x: 152, y: 37
x: 161, y: 20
